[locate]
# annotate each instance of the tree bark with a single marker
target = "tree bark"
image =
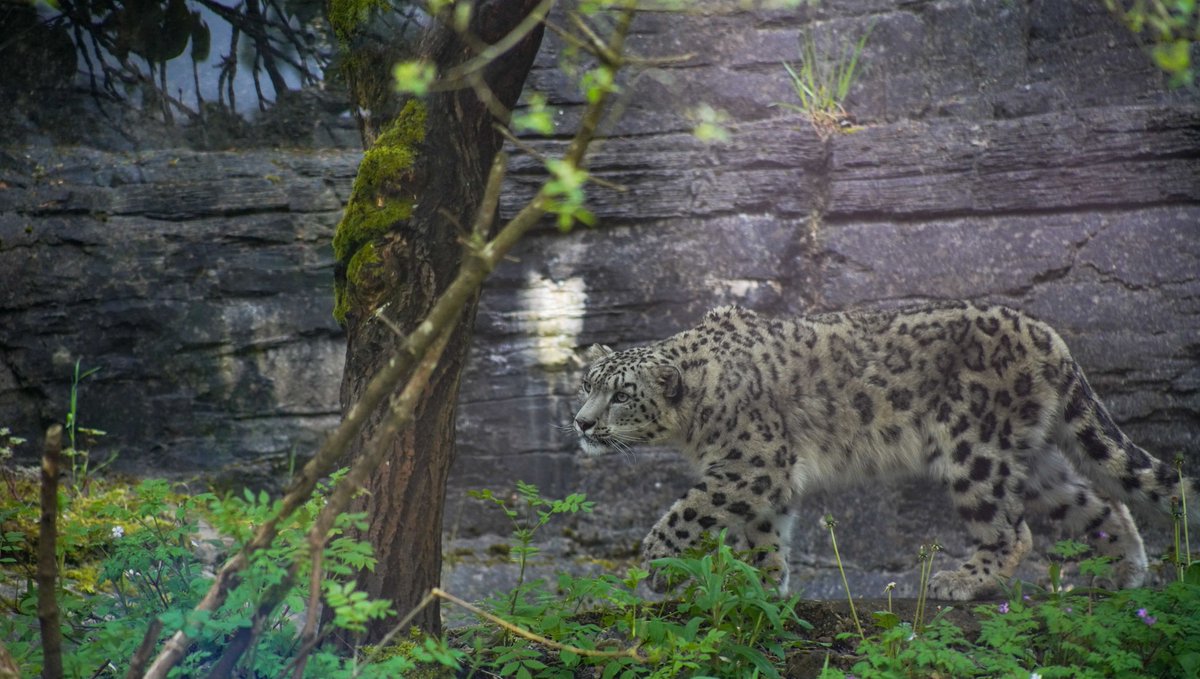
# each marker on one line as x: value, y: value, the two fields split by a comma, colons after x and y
x: 399, y: 272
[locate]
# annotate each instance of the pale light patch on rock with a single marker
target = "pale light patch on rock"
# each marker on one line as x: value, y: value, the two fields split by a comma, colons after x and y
x: 551, y: 312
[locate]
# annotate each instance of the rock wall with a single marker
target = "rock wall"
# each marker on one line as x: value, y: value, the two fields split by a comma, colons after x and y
x: 1024, y: 153
x: 199, y: 283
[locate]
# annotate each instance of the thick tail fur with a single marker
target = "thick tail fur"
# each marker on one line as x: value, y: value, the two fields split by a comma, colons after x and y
x: 1121, y: 469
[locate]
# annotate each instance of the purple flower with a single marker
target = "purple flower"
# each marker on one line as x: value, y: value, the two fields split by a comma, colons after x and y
x: 1101, y: 535
x: 1146, y: 617
x: 1003, y: 607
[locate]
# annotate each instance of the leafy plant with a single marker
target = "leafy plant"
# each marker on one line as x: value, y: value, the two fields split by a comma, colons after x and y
x: 535, y: 512
x: 1172, y: 27
x: 133, y: 563
x: 728, y: 607
x: 727, y: 621
x: 1059, y: 633
x: 80, y: 457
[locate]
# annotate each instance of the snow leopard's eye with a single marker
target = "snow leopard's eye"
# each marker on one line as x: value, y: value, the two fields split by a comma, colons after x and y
x: 620, y: 397
x: 587, y: 386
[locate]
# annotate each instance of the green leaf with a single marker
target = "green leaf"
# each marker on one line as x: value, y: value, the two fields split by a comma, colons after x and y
x: 710, y: 124
x: 886, y: 619
x: 1174, y: 56
x: 1192, y: 575
x: 569, y: 658
x: 414, y: 77
x: 535, y: 117
x: 1190, y: 663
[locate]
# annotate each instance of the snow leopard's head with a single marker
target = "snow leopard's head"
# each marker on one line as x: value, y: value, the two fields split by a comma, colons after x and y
x: 627, y: 397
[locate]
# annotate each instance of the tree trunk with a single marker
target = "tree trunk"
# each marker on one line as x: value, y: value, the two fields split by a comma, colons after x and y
x: 397, y: 248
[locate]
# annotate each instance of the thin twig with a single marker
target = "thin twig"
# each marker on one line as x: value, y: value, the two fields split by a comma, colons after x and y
x: 403, y: 623
x: 599, y: 48
x: 487, y: 97
x: 569, y: 37
x: 142, y: 655
x: 541, y: 158
x: 47, y: 564
x: 493, y: 51
x: 381, y: 314
x: 298, y: 665
x: 631, y: 652
x: 313, y: 616
x: 586, y: 46
x: 491, y: 199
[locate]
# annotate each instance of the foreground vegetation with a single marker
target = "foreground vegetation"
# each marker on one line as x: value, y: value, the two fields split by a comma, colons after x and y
x: 133, y: 559
x: 137, y: 555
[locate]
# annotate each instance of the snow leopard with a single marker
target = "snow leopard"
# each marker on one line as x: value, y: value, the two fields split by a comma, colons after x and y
x: 986, y: 400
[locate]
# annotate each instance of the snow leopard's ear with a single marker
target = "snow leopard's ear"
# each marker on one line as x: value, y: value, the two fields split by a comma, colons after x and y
x: 596, y: 352
x: 669, y: 381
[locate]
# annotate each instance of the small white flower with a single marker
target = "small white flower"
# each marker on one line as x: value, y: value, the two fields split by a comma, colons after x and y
x: 118, y: 532
x: 1034, y: 675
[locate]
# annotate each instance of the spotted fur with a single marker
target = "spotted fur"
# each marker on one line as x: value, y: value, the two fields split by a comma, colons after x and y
x: 984, y: 399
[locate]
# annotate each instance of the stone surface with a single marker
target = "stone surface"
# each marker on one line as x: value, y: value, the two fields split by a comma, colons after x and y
x: 199, y: 284
x: 1023, y: 153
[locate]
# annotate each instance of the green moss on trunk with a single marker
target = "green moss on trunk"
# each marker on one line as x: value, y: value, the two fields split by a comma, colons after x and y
x: 381, y: 199
x: 345, y: 16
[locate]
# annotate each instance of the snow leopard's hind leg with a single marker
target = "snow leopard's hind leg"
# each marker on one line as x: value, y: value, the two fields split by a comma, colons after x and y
x: 1055, y: 489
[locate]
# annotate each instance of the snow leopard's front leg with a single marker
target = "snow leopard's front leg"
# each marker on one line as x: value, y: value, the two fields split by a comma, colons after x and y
x: 751, y: 508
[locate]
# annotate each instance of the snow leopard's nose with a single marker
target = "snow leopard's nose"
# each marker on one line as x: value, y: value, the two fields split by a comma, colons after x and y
x: 584, y: 424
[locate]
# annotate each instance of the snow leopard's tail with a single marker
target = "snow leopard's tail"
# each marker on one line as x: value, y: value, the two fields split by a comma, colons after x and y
x: 1121, y: 469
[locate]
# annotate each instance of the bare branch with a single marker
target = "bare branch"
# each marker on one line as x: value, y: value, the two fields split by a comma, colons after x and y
x: 381, y: 315
x: 491, y: 199
x: 47, y: 563
x: 312, y: 616
x: 142, y: 655
x: 403, y: 622
x: 536, y: 638
x: 458, y: 74
x: 541, y: 157
x: 597, y: 44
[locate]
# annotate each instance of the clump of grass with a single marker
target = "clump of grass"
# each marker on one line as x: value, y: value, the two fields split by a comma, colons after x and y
x: 822, y: 82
